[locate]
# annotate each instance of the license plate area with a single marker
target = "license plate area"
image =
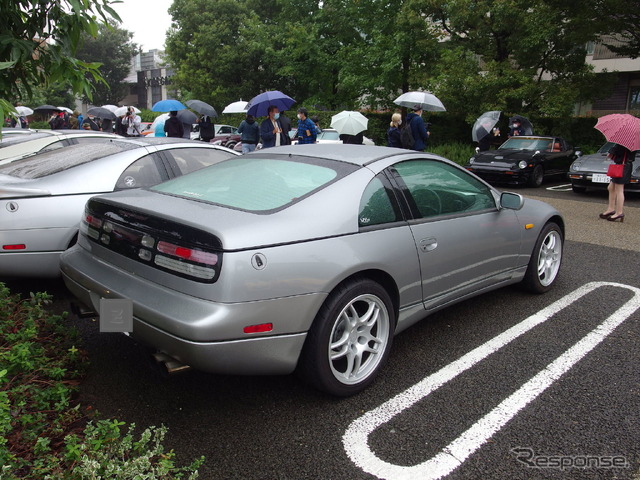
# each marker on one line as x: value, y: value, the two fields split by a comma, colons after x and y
x: 116, y: 315
x: 600, y: 178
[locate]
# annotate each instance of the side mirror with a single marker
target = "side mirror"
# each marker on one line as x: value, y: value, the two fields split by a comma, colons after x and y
x: 578, y: 153
x: 511, y: 201
x: 477, y: 149
x: 537, y: 152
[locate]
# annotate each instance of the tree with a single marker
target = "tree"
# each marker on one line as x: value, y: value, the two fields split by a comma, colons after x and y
x: 623, y: 21
x: 113, y: 49
x: 38, y: 42
x: 524, y: 56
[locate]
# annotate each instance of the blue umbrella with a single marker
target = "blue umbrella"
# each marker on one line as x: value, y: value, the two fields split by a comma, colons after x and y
x: 259, y: 104
x: 168, y: 105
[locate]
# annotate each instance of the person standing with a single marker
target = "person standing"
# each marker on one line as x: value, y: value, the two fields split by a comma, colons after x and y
x: 132, y: 121
x: 173, y: 126
x: 286, y: 128
x: 207, y: 132
x: 620, y: 156
x: 357, y: 139
x: 107, y: 125
x: 249, y: 134
x: 393, y: 134
x: 418, y: 128
x: 271, y: 129
x: 316, y: 122
x: 516, y: 129
x: 306, y: 133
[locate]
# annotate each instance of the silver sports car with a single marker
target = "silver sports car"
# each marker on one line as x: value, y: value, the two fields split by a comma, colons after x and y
x: 590, y: 171
x: 19, y: 146
x: 42, y: 197
x: 310, y: 257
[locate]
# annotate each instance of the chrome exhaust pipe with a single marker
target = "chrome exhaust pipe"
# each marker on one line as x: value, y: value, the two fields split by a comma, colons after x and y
x: 169, y: 365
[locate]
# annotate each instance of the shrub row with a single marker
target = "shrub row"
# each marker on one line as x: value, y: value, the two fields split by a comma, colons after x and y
x: 44, y: 432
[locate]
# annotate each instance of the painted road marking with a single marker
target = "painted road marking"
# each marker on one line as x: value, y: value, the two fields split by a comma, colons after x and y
x: 561, y: 188
x: 355, y: 439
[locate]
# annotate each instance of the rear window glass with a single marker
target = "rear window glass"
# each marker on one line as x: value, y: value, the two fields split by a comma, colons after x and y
x: 48, y: 163
x: 256, y: 184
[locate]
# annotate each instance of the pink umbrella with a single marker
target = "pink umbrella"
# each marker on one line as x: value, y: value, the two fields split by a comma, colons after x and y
x: 621, y: 128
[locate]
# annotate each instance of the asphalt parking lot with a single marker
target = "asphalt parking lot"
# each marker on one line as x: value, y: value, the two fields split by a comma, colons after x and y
x: 508, y: 385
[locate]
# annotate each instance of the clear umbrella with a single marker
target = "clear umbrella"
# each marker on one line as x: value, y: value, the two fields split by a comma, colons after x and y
x: 236, y: 107
x: 426, y: 101
x: 483, y: 125
x: 349, y: 122
x: 120, y: 111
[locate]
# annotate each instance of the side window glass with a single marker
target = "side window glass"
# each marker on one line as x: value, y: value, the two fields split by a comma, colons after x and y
x: 141, y: 173
x: 54, y: 146
x: 376, y: 207
x: 437, y: 188
x: 191, y: 159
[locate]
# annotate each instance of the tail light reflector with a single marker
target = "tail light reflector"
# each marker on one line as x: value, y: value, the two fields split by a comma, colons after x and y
x: 188, y: 253
x: 19, y: 246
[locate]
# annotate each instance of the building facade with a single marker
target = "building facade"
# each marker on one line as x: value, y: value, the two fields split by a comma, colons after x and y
x: 625, y: 97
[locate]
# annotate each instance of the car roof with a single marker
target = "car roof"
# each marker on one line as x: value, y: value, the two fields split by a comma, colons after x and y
x: 355, y: 154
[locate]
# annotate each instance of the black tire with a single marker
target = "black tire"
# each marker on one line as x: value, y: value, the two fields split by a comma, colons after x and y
x: 347, y: 303
x: 230, y: 145
x: 537, y: 176
x: 577, y: 189
x: 545, y: 261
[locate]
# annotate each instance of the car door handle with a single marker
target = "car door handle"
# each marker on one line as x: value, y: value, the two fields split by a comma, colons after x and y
x: 428, y: 244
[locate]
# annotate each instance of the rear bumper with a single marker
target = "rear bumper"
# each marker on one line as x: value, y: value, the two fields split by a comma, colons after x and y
x: 584, y: 180
x: 203, y: 334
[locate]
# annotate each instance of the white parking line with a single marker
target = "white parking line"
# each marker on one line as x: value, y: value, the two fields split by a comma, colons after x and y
x: 561, y: 188
x: 355, y: 439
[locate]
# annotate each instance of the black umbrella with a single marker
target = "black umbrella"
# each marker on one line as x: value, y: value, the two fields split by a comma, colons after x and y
x: 524, y: 122
x: 202, y: 108
x: 46, y: 109
x: 185, y: 116
x: 101, y: 112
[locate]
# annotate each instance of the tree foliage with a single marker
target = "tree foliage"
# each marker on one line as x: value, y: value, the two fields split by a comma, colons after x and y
x: 113, y: 49
x: 525, y: 56
x: 38, y: 42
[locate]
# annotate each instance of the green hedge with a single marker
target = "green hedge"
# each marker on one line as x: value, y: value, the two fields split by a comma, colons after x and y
x: 44, y: 432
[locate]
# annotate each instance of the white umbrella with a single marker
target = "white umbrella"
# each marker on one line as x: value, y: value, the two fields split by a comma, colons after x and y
x: 236, y: 107
x: 120, y: 111
x: 111, y: 108
x: 65, y: 109
x: 349, y: 122
x: 24, y: 111
x: 427, y: 101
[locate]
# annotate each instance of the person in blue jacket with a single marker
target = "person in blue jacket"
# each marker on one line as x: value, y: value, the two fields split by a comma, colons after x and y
x: 418, y: 128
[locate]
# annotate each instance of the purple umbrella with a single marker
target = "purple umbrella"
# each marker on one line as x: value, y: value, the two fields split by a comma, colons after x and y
x: 259, y: 104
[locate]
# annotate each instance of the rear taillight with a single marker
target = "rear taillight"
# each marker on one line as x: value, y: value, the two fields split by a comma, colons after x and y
x: 185, y: 260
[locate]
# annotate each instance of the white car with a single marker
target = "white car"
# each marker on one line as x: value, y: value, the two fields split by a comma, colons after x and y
x: 330, y: 135
x: 19, y: 146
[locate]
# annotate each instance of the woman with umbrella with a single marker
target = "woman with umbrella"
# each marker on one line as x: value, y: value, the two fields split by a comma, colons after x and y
x: 620, y: 156
x: 624, y: 131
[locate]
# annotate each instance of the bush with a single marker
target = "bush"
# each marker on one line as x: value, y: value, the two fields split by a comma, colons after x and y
x: 40, y: 125
x: 44, y: 433
x: 459, y: 153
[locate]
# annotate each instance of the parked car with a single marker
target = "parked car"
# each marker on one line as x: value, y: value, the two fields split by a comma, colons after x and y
x: 524, y: 160
x: 18, y: 146
x: 310, y: 257
x: 329, y: 135
x: 9, y: 131
x: 590, y: 171
x: 222, y: 131
x: 43, y: 195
